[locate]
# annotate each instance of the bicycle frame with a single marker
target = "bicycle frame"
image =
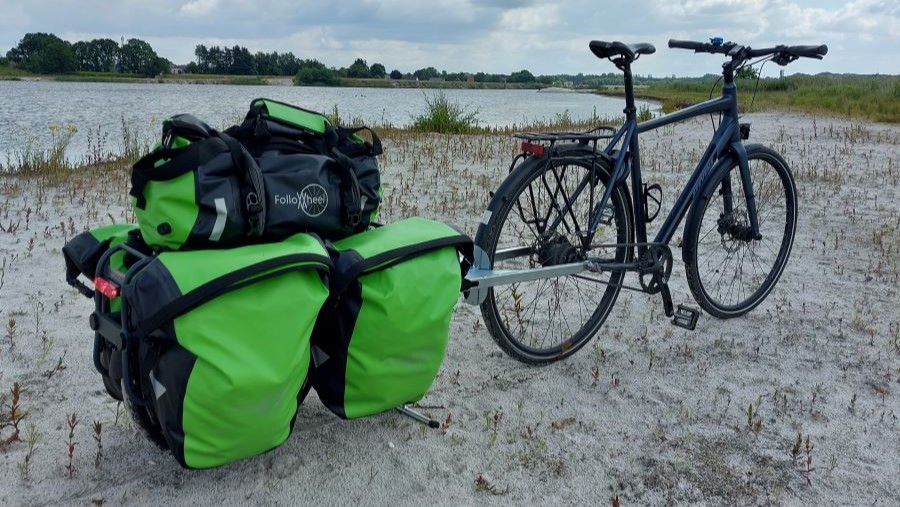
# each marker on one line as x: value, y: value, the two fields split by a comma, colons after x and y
x: 726, y: 139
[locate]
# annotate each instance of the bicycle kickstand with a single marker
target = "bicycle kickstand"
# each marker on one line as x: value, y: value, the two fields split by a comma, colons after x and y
x: 417, y: 416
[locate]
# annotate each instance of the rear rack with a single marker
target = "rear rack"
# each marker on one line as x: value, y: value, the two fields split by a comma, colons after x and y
x: 589, y: 136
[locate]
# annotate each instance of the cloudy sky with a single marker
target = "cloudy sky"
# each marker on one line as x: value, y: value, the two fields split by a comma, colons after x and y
x: 499, y: 36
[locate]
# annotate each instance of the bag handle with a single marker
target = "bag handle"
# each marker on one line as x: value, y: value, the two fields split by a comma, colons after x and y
x: 375, y: 147
x: 180, y: 161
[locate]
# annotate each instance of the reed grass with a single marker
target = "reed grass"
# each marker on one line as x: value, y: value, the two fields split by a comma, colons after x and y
x: 446, y: 117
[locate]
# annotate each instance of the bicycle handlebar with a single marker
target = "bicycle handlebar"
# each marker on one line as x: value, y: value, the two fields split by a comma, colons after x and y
x: 701, y: 47
x: 783, y: 55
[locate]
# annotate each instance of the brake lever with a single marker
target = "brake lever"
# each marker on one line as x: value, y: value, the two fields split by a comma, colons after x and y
x: 784, y: 58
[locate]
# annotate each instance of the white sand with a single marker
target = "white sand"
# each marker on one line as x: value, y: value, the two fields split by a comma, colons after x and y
x: 821, y: 357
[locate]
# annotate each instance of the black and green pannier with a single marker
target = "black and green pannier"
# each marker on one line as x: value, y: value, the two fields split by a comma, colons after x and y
x: 217, y: 345
x: 380, y: 340
x: 283, y: 170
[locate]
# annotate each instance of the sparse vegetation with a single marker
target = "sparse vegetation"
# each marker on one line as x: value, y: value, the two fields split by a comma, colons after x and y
x: 446, y: 117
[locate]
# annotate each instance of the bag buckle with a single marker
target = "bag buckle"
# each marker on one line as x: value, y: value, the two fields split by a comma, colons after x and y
x: 254, y: 208
x: 354, y: 217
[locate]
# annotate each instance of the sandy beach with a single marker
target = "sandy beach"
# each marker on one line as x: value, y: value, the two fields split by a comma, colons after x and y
x: 647, y: 412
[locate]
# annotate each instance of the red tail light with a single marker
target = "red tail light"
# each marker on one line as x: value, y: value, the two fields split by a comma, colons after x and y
x: 106, y: 287
x: 532, y: 148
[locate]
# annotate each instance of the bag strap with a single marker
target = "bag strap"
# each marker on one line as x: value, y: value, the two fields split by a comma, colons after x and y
x: 342, y: 278
x: 232, y: 281
x: 179, y: 161
x: 255, y: 199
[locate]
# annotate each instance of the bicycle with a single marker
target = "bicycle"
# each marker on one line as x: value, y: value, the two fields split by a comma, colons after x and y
x: 563, y: 228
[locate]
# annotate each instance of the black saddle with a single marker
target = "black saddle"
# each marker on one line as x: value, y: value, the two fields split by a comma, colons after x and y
x: 629, y: 52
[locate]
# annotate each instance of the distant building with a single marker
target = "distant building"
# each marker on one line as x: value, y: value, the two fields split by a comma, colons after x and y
x: 470, y: 79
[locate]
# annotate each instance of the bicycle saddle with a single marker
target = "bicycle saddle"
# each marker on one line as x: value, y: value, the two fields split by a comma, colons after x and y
x: 630, y: 52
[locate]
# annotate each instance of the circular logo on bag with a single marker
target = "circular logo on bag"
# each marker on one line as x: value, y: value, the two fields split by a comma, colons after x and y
x: 313, y: 199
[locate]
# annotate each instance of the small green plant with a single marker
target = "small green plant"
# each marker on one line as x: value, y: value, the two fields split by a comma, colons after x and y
x: 31, y: 438
x: 446, y: 117
x: 644, y: 113
x: 801, y: 454
x: 482, y: 484
x: 492, y: 424
x: 894, y: 339
x: 72, y: 423
x: 12, y: 415
x: 98, y: 438
x: 59, y: 368
x: 10, y: 336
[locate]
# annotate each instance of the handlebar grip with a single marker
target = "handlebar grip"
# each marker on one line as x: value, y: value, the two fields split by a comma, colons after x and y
x: 686, y: 44
x: 808, y: 51
x: 702, y: 47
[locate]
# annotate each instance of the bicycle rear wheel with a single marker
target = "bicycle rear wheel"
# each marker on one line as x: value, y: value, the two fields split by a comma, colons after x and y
x: 540, y: 216
x: 728, y: 272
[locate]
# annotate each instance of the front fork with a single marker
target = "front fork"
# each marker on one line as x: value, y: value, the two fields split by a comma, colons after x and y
x: 728, y: 198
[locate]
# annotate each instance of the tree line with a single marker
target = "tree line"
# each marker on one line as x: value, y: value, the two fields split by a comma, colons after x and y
x: 45, y: 53
x: 48, y: 54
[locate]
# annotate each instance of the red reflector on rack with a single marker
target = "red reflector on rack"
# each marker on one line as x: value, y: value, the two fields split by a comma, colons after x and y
x: 534, y: 149
x: 106, y: 288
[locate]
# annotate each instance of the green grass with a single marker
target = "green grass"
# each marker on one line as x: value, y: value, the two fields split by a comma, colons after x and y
x: 7, y: 72
x: 446, y: 117
x: 874, y: 98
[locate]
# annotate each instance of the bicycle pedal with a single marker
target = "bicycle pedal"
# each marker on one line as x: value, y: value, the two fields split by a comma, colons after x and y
x: 686, y: 317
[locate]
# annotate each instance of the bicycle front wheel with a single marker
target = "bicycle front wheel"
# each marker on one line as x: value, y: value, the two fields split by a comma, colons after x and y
x: 729, y: 272
x: 541, y: 217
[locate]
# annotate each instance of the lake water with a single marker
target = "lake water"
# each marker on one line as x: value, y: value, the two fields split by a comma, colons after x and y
x: 29, y: 108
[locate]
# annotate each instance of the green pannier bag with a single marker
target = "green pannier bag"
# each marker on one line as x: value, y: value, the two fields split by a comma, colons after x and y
x: 380, y: 340
x: 218, y: 345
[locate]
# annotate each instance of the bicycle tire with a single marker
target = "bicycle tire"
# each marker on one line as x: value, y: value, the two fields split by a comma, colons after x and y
x: 750, y: 282
x: 514, y: 221
x: 146, y: 423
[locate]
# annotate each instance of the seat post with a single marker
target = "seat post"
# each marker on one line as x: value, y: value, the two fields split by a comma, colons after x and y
x: 630, y: 109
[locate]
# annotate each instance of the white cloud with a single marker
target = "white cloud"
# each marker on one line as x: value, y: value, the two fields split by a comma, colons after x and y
x: 531, y: 19
x: 199, y: 7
